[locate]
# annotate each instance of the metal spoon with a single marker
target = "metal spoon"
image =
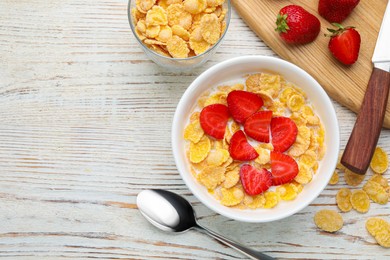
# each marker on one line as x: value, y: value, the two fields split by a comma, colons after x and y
x: 171, y: 212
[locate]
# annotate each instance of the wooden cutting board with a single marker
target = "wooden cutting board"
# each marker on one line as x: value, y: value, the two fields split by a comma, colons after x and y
x: 345, y: 84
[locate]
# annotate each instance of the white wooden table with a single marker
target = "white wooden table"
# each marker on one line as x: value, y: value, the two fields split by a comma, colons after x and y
x: 85, y: 123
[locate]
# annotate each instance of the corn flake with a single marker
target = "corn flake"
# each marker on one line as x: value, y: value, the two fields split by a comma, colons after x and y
x: 200, y: 150
x: 380, y: 179
x: 353, y: 179
x: 376, y: 192
x: 254, y: 202
x: 232, y: 196
x: 231, y: 178
x: 343, y: 199
x: 211, y: 176
x: 217, y: 157
x: 144, y: 5
x: 193, y: 132
x: 302, y: 142
x: 195, y: 6
x: 197, y: 43
x: 177, y: 47
x: 264, y: 155
x: 304, y: 175
x: 328, y: 220
x: 335, y: 178
x: 210, y: 28
x: 271, y: 199
x: 360, y: 201
x: 156, y: 16
x: 181, y: 32
x: 380, y: 230
x: 295, y: 102
x: 217, y: 98
x: 212, y: 3
x: 287, y: 191
x: 178, y: 16
x: 380, y: 161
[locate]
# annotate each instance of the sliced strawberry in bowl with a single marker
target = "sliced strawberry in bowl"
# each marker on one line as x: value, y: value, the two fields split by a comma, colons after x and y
x: 242, y: 104
x: 283, y: 168
x: 213, y: 120
x: 284, y: 133
x: 240, y: 149
x: 255, y: 181
x: 257, y: 126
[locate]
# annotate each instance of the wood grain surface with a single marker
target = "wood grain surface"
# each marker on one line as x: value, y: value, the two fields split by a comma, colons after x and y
x: 85, y: 121
x: 346, y: 84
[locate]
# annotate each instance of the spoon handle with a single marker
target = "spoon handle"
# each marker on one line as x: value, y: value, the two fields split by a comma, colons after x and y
x: 245, y: 250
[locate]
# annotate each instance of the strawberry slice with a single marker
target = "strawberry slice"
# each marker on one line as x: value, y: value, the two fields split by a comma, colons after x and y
x: 257, y: 126
x: 255, y: 181
x: 283, y: 168
x: 240, y: 149
x: 213, y: 120
x: 284, y: 132
x: 242, y: 104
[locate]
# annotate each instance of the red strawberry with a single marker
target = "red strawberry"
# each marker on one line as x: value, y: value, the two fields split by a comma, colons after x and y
x: 335, y: 11
x: 296, y: 25
x: 240, y: 149
x: 284, y: 132
x: 344, y: 44
x: 242, y: 104
x: 257, y: 126
x: 283, y: 168
x: 213, y: 120
x: 255, y: 181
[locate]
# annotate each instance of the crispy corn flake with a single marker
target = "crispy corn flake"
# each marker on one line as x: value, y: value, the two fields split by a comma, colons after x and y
x: 195, y: 6
x: 254, y: 202
x: 198, y: 45
x: 298, y: 186
x: 212, y: 3
x: 301, y: 143
x: 307, y: 110
x: 287, y: 191
x: 270, y: 84
x: 231, y: 178
x: 380, y: 161
x: 217, y: 98
x: 193, y: 132
x: 144, y: 5
x: 152, y: 31
x: 264, y: 155
x: 181, y: 32
x: 178, y: 16
x: 313, y: 120
x: 308, y: 158
x: 328, y: 220
x: 223, y: 27
x: 229, y: 89
x: 360, y: 201
x: 210, y: 28
x: 343, y: 199
x: 335, y: 178
x: 271, y: 199
x: 141, y: 26
x: 304, y: 175
x: 211, y: 176
x: 159, y: 49
x: 232, y: 196
x: 165, y: 34
x: 376, y: 192
x: 277, y: 108
x: 177, y: 47
x: 380, y: 179
x: 156, y: 16
x: 286, y: 93
x: 298, y: 119
x: 267, y: 98
x: 200, y: 150
x: 353, y: 179
x: 380, y: 230
x: 295, y: 102
x: 217, y: 157
x: 194, y: 116
x: 137, y: 15
x: 154, y: 42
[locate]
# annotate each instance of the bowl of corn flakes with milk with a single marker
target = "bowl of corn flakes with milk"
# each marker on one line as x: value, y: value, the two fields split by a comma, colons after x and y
x: 179, y: 34
x: 255, y: 138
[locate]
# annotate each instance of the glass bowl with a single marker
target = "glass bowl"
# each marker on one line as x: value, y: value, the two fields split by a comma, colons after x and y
x: 179, y: 64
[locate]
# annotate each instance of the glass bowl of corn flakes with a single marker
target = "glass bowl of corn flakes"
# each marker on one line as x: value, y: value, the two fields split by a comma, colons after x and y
x: 179, y: 34
x: 255, y: 138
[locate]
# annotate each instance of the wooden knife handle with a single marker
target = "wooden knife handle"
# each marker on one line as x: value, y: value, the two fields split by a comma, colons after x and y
x: 364, y: 137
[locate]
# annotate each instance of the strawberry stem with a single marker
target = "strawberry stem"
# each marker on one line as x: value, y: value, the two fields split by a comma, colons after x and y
x: 335, y: 32
x: 281, y: 23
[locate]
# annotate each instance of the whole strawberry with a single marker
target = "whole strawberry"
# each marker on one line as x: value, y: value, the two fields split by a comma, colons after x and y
x: 335, y: 11
x: 296, y: 25
x: 344, y: 44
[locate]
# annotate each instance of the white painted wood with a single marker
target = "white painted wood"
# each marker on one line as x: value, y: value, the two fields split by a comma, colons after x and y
x: 85, y: 124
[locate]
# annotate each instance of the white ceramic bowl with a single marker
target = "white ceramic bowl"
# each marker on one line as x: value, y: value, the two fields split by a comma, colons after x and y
x: 236, y: 68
